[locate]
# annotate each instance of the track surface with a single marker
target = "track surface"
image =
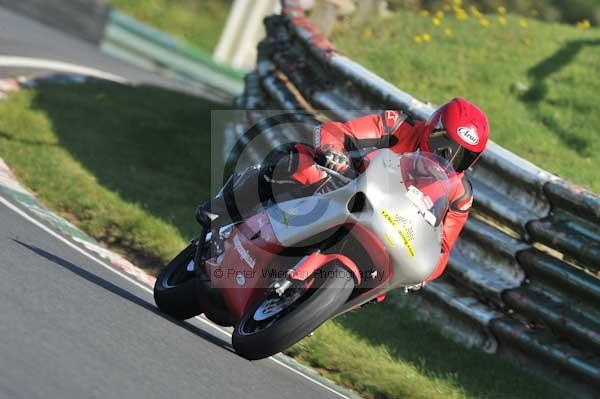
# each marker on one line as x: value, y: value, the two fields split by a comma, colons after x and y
x: 24, y: 37
x: 73, y: 329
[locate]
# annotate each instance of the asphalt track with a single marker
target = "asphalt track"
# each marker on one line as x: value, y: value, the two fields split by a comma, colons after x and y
x: 23, y: 37
x: 73, y: 328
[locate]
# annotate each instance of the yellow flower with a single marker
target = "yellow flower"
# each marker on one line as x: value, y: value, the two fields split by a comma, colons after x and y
x: 461, y: 15
x: 448, y: 32
x: 475, y: 11
x: 439, y: 14
x: 424, y: 13
x: 417, y: 39
x: 501, y: 10
x: 484, y: 21
x: 523, y: 23
x: 583, y: 25
x: 436, y: 21
x: 426, y: 37
x: 502, y: 21
x: 457, y: 3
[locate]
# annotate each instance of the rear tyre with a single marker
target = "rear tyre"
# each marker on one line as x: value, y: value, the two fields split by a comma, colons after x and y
x: 176, y: 288
x: 259, y: 335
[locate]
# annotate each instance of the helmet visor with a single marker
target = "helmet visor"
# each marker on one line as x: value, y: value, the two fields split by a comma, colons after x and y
x: 442, y: 145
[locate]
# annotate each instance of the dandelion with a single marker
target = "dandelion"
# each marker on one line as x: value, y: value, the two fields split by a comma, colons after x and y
x: 436, y: 21
x: 484, y: 22
x: 461, y: 14
x: 583, y: 25
x: 426, y: 37
x: 424, y: 13
x: 439, y: 14
x: 502, y: 21
x: 523, y: 23
x: 475, y: 11
x: 501, y: 10
x: 417, y: 39
x: 448, y: 32
x: 457, y: 3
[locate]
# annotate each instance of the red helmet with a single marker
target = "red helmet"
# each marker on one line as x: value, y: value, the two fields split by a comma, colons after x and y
x: 458, y: 131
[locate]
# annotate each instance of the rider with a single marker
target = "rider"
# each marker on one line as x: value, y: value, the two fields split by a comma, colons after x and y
x: 458, y: 131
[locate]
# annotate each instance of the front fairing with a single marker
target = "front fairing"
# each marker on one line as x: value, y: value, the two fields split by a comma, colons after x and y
x: 406, y: 197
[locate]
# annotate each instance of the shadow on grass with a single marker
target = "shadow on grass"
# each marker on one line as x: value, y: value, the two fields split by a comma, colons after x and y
x: 420, y: 344
x: 539, y: 91
x: 148, y: 144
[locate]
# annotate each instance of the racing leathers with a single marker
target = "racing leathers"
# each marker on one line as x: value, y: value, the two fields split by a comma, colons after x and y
x: 292, y: 170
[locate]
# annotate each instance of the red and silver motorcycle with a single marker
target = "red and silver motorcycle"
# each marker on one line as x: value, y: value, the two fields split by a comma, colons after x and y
x: 281, y: 273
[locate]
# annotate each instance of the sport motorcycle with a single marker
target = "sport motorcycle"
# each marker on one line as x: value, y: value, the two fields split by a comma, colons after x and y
x: 280, y: 273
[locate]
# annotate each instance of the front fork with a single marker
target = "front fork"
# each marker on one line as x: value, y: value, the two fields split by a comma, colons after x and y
x: 200, y: 256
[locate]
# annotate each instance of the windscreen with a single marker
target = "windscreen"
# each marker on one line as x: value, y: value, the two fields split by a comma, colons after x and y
x: 426, y: 177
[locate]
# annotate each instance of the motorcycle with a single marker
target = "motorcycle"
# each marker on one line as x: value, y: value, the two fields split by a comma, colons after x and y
x: 281, y: 273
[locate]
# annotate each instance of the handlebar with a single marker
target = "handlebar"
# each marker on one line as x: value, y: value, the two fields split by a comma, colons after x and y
x: 337, y: 175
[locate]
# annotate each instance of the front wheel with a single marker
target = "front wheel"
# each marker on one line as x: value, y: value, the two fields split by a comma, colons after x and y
x: 276, y: 322
x: 176, y: 287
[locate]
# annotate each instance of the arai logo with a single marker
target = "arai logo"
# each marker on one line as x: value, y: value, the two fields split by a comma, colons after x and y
x: 468, y: 135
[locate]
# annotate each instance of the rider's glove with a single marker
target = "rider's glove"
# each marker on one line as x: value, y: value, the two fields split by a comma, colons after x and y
x: 333, y: 159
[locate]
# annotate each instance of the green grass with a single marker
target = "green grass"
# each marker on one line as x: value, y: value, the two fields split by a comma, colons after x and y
x: 199, y: 22
x: 128, y: 165
x: 124, y: 164
x: 539, y: 84
x: 384, y: 352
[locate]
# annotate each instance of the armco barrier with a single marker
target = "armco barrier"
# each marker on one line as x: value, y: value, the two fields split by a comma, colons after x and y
x: 522, y: 281
x: 126, y: 38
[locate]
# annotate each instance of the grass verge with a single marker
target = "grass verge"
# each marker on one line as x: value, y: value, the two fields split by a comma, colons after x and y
x: 537, y: 81
x: 131, y: 179
x: 197, y: 22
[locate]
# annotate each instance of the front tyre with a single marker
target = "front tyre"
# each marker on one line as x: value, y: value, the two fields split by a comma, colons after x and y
x: 275, y: 323
x: 176, y: 287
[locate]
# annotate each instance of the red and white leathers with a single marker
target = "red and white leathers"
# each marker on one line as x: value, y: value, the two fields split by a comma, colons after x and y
x: 397, y: 131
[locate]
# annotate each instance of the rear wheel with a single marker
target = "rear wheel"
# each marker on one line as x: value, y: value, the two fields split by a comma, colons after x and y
x: 176, y: 288
x: 276, y: 322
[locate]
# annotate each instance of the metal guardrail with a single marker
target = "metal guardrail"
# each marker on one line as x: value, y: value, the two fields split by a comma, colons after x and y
x: 137, y: 43
x: 523, y: 278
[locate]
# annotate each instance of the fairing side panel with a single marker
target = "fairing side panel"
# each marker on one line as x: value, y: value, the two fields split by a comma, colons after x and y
x: 241, y: 274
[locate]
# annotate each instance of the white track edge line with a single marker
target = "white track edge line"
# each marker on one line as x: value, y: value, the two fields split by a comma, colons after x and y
x: 39, y: 63
x: 146, y: 288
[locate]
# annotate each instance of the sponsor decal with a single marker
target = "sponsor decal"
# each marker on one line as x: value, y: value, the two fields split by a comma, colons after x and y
x: 243, y: 252
x: 470, y: 136
x: 392, y: 116
x: 401, y: 230
x: 423, y: 202
x: 316, y: 137
x: 390, y: 240
x: 405, y: 224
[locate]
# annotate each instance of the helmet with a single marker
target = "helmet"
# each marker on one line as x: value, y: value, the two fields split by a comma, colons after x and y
x: 458, y: 132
